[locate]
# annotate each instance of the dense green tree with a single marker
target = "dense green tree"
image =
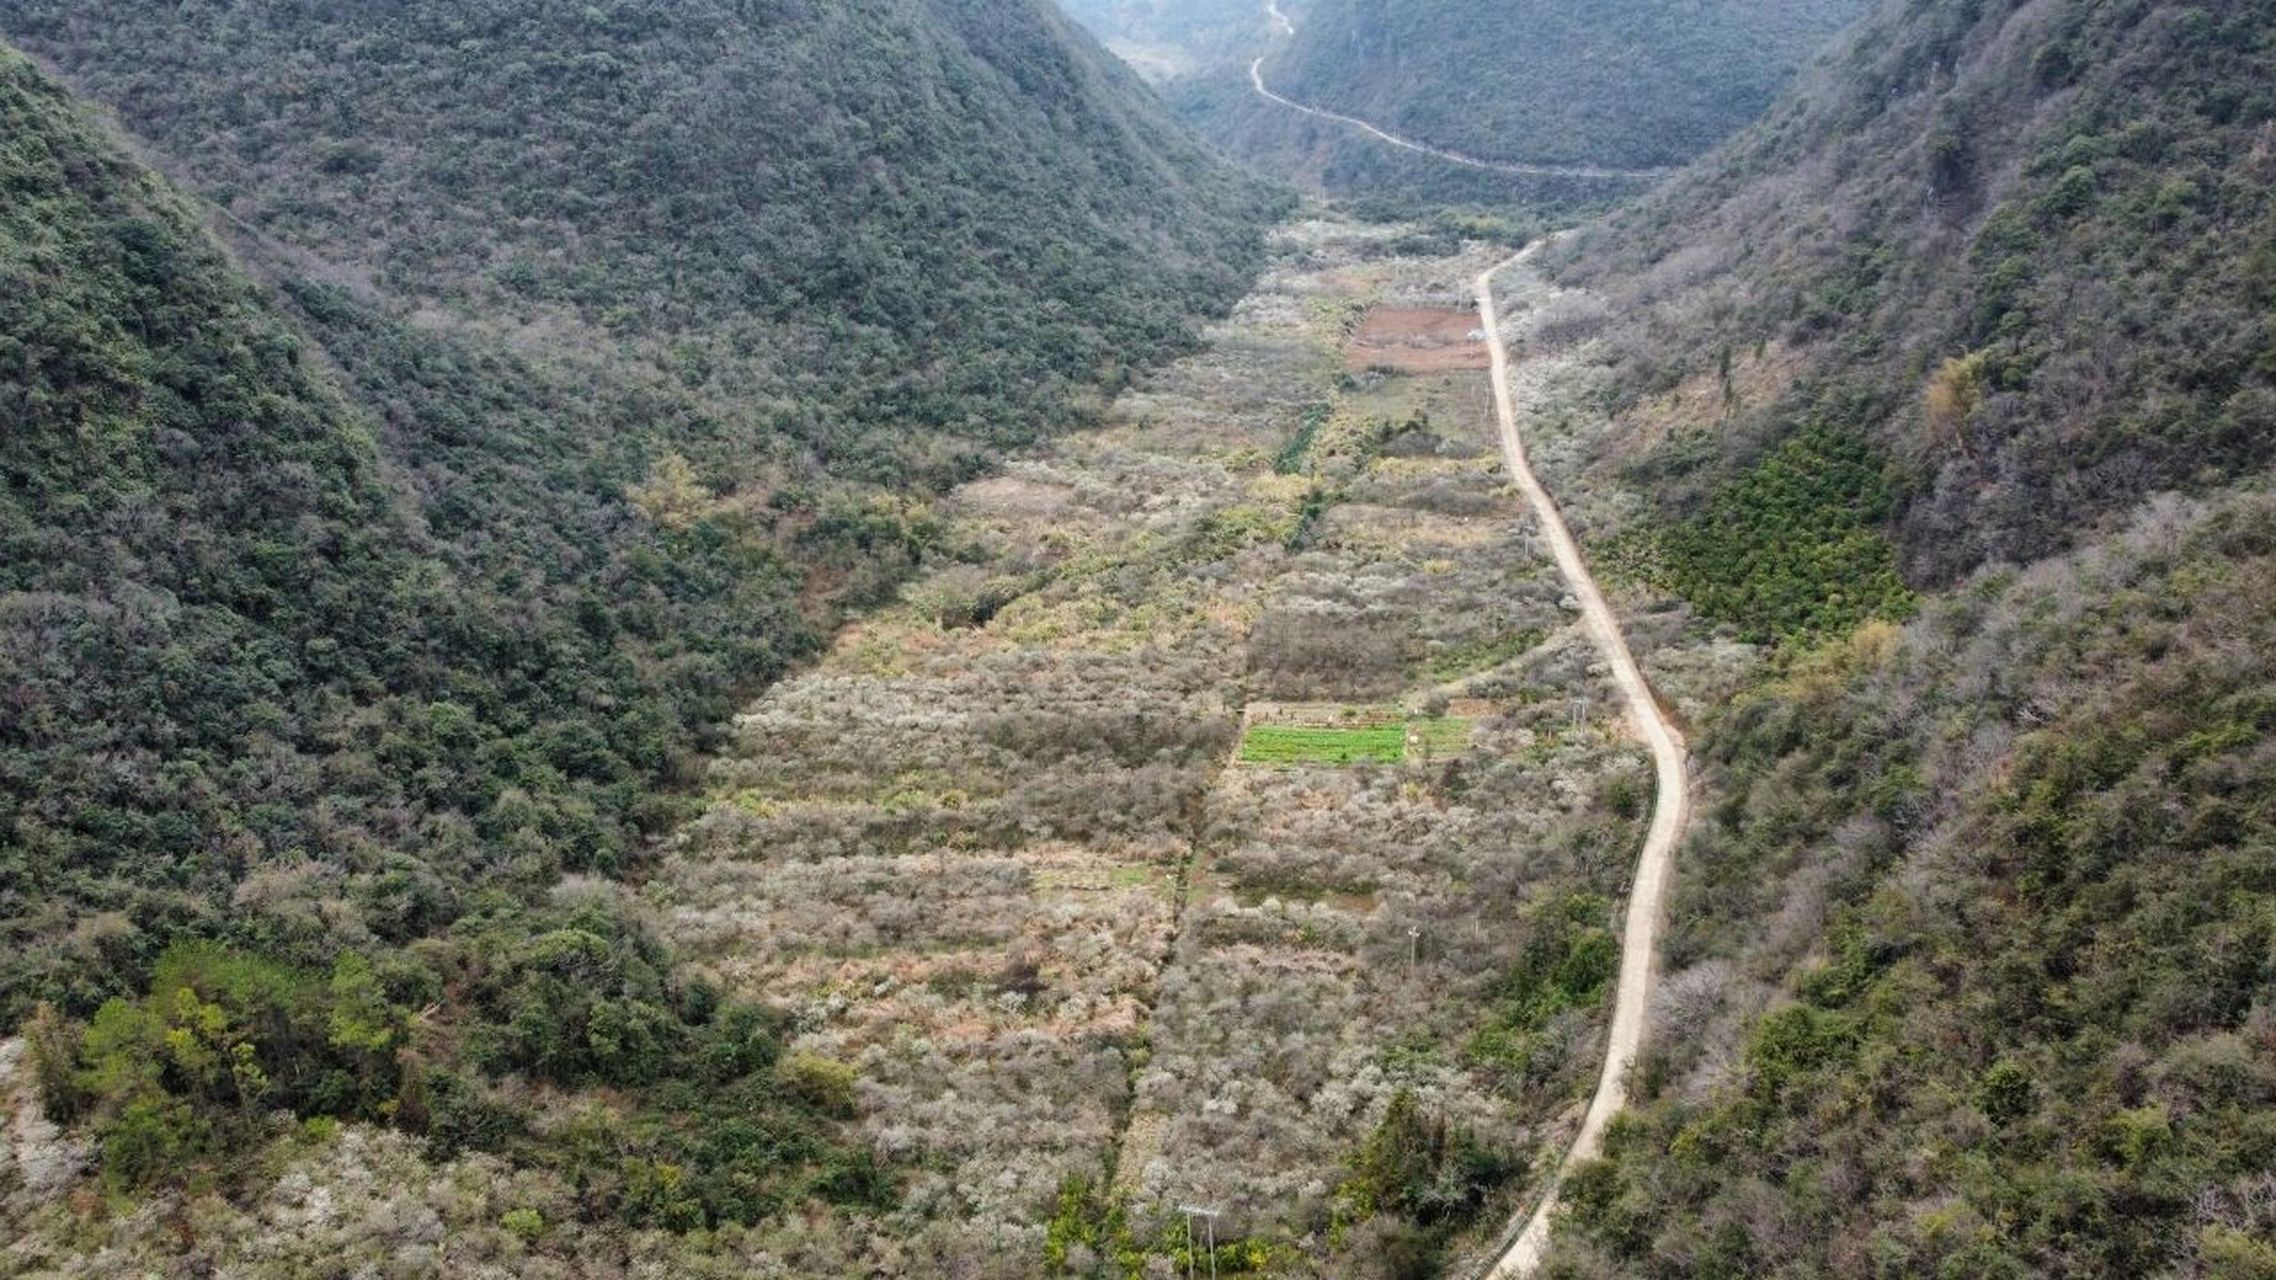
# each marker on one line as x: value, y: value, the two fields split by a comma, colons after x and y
x: 340, y: 616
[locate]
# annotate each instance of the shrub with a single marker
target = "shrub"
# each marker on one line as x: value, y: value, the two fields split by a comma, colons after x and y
x: 2007, y: 1093
x: 525, y: 1225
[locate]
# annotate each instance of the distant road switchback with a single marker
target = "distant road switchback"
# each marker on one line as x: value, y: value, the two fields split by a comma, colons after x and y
x: 1286, y: 28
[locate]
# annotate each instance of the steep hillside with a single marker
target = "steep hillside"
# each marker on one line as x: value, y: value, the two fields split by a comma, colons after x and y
x: 1632, y: 84
x: 359, y: 622
x: 1627, y: 85
x: 1969, y: 968
x: 282, y: 765
x: 831, y: 217
x: 610, y: 379
x: 1167, y: 39
x: 2023, y: 249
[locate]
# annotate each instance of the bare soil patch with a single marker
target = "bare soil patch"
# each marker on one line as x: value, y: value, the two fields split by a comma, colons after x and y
x: 1418, y: 340
x: 1011, y: 495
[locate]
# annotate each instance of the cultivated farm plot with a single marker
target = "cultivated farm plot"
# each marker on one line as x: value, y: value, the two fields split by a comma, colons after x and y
x: 956, y: 848
x: 1351, y: 910
x: 1169, y: 869
x: 1418, y: 340
x: 1287, y: 744
x: 1350, y: 736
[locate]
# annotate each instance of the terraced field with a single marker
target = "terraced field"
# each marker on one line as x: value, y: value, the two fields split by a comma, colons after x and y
x: 1083, y: 970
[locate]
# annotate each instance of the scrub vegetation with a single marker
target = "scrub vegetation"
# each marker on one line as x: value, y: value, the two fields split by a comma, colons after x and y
x: 1629, y: 84
x: 2000, y: 877
x: 1086, y: 972
x: 373, y: 580
x: 1625, y: 84
x: 1946, y: 386
x: 770, y: 639
x: 2035, y: 287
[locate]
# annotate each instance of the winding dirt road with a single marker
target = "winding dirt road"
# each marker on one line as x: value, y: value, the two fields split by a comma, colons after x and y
x: 1521, y: 1255
x: 1287, y: 28
x: 1647, y: 900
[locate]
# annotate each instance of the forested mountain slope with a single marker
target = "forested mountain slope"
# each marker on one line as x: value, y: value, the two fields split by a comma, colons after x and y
x: 1953, y: 384
x: 2025, y: 247
x: 1632, y: 84
x: 346, y: 612
x: 1166, y: 39
x: 283, y: 763
x: 828, y: 216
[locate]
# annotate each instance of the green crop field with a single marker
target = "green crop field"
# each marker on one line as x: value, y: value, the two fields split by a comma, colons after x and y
x: 1307, y: 744
x: 1284, y: 744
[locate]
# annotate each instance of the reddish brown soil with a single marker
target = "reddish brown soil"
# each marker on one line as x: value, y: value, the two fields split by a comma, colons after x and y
x: 1417, y: 340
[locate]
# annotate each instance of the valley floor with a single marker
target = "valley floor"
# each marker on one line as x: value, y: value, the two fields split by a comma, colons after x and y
x: 1086, y: 859
x: 1240, y: 808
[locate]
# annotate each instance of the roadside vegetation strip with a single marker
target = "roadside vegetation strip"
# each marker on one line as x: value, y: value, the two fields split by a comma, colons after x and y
x: 1647, y: 899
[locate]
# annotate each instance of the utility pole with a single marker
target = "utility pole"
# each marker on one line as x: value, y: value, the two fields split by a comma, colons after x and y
x: 1414, y: 945
x: 1209, y: 1227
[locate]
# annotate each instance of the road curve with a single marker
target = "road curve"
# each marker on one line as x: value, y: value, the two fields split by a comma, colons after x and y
x: 1647, y: 900
x: 1589, y: 172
